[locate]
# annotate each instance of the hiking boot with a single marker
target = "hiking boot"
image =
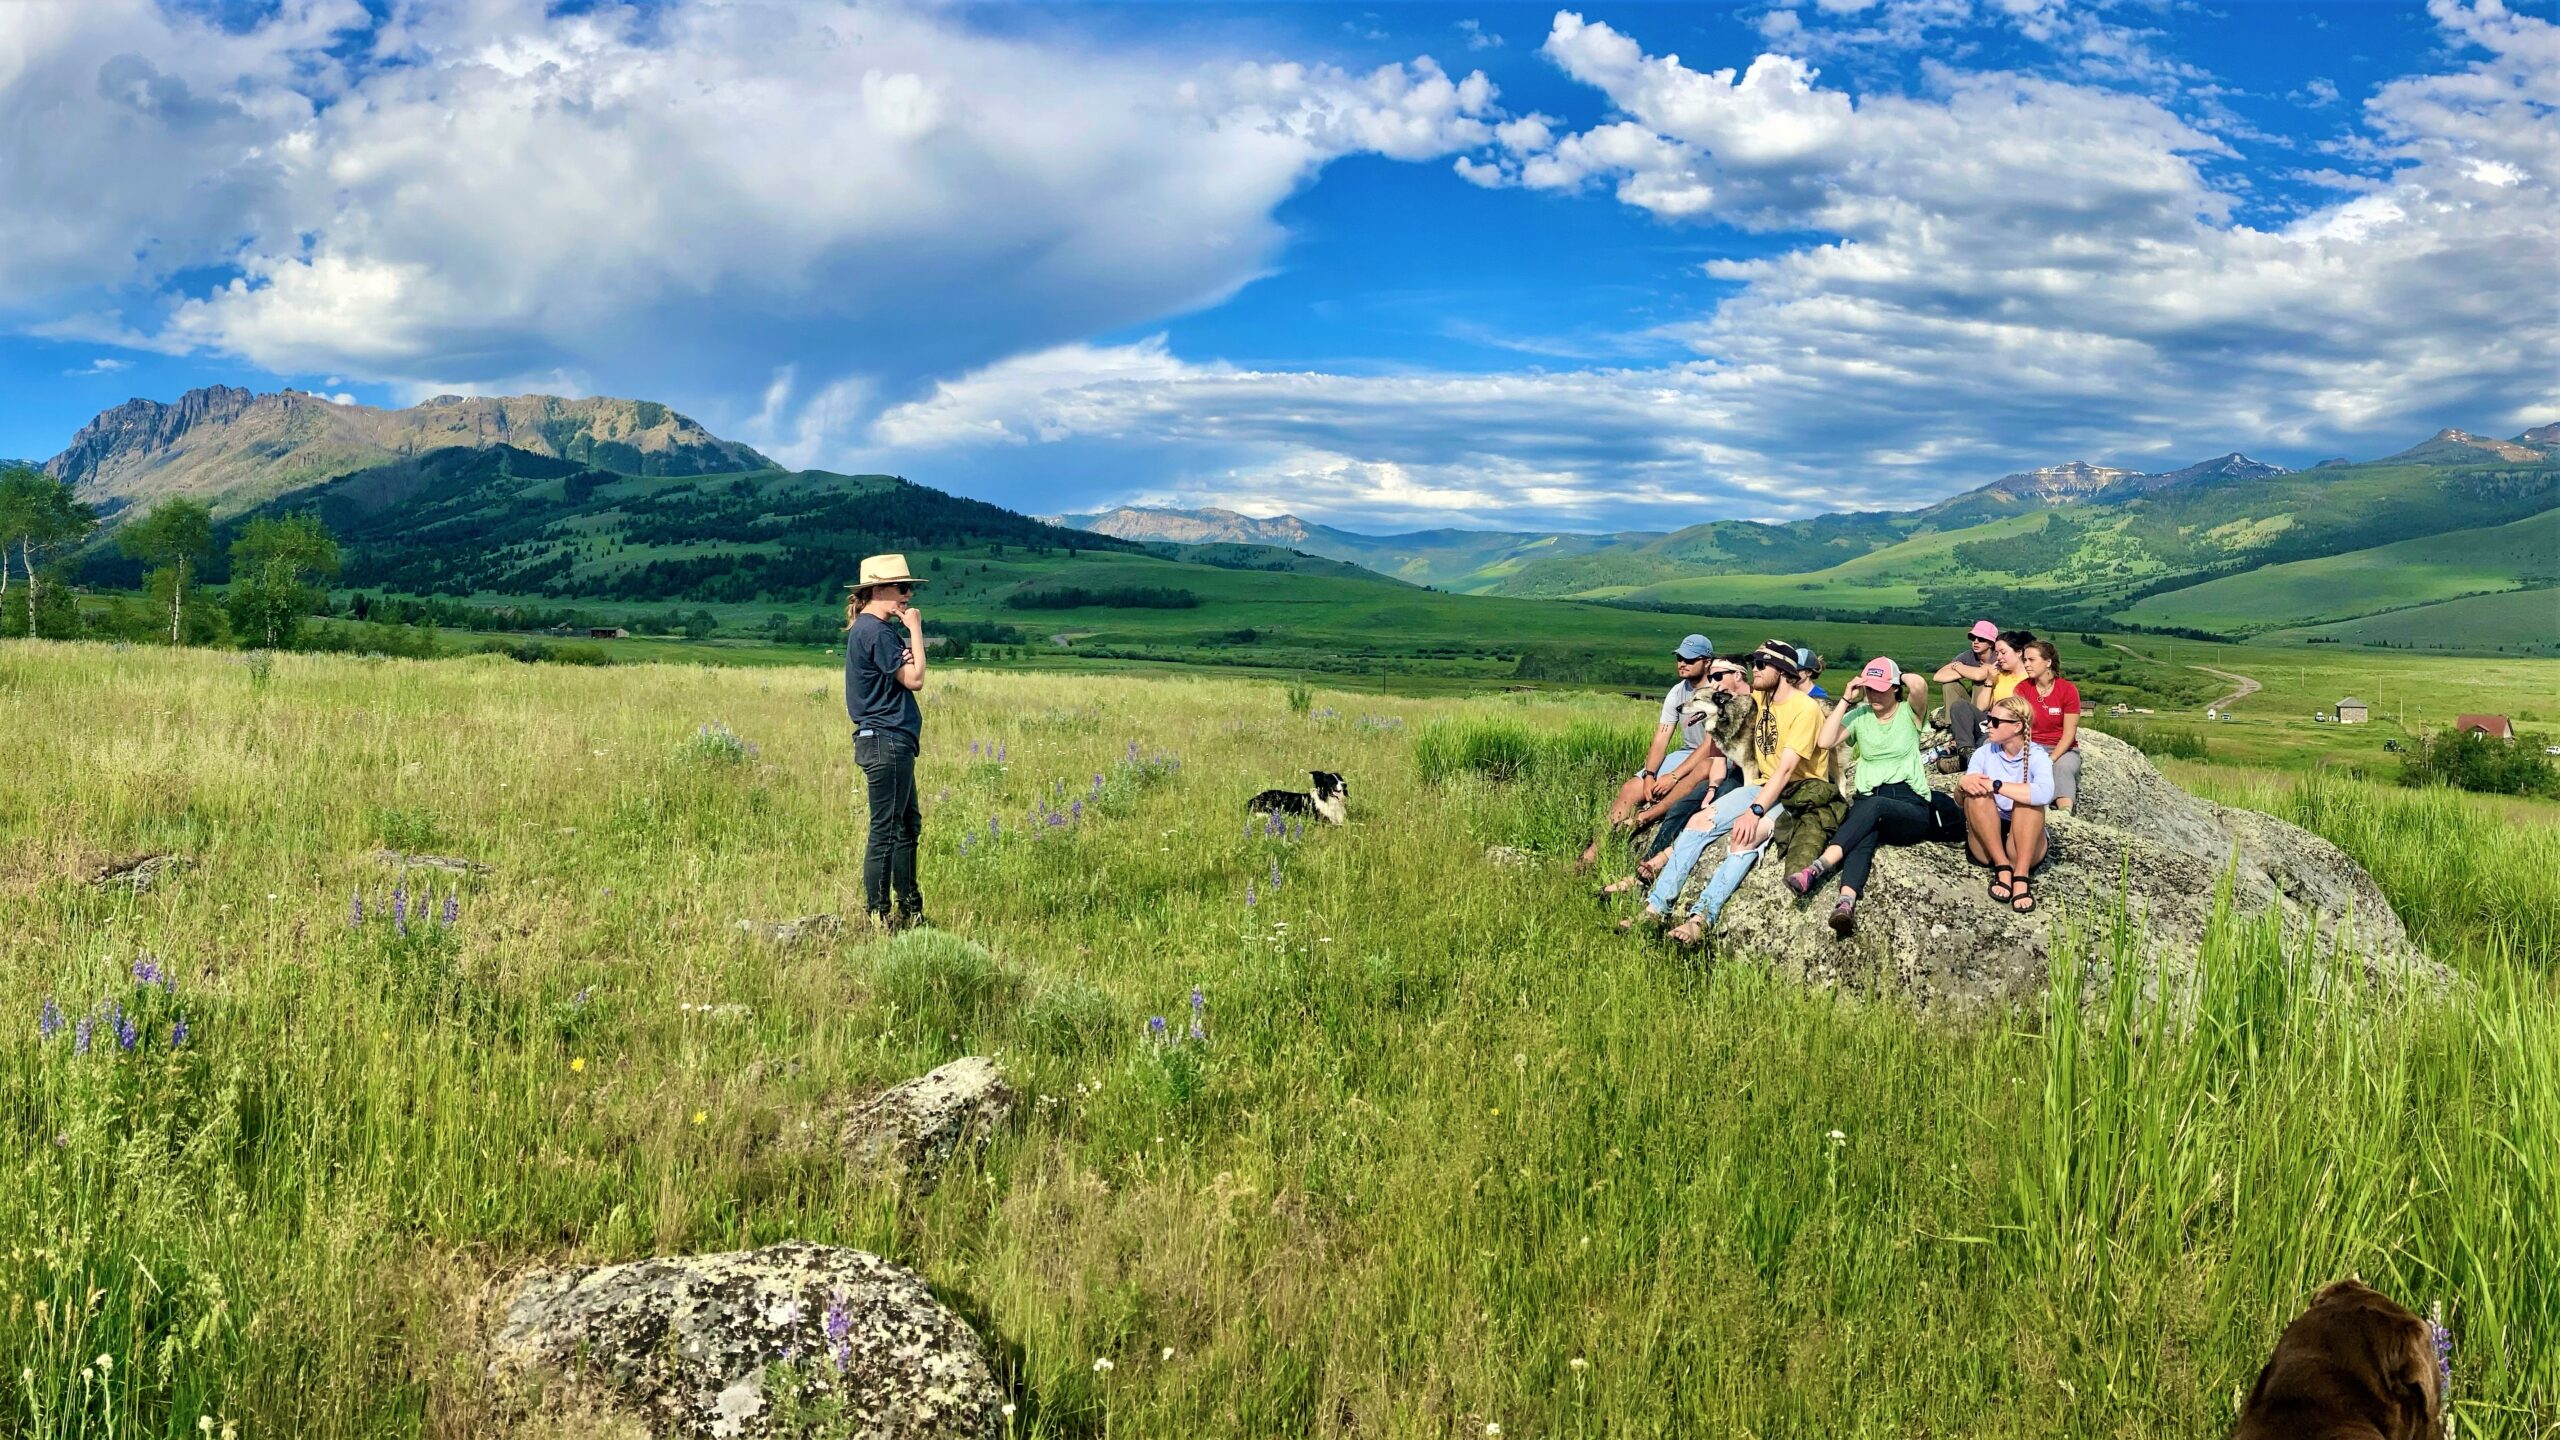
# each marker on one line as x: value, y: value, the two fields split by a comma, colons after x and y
x: 1844, y: 918
x: 1803, y: 881
x: 1950, y: 764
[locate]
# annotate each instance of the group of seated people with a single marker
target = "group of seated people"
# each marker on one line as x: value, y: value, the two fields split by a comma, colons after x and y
x: 1748, y: 753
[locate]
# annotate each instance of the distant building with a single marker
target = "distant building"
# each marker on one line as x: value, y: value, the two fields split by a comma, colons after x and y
x: 2351, y: 711
x: 608, y: 632
x: 2496, y: 727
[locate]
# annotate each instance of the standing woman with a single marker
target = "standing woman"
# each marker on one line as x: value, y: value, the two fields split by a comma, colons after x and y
x: 883, y: 670
x: 2056, y: 703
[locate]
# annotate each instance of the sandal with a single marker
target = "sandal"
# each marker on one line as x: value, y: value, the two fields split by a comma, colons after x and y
x: 2001, y: 883
x: 2020, y: 900
x: 1646, y: 916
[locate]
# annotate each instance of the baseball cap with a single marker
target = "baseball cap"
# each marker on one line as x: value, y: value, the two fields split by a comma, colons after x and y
x: 1881, y: 674
x: 1984, y: 630
x: 1696, y: 647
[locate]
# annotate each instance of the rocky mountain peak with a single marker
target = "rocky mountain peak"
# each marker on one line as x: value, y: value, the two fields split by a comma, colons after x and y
x: 235, y: 449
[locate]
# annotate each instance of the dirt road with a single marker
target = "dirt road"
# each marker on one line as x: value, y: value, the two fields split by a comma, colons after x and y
x: 2242, y: 686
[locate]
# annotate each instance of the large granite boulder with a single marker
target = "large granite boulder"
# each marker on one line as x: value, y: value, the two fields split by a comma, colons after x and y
x: 910, y: 1131
x: 1929, y: 932
x: 702, y: 1346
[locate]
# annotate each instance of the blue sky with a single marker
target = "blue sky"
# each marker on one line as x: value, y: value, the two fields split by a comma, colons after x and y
x: 1385, y: 265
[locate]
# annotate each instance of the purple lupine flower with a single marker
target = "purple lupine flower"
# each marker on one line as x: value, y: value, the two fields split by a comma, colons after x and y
x: 452, y: 907
x: 973, y: 749
x: 355, y: 911
x: 48, y: 1020
x: 967, y: 836
x: 1275, y: 872
x: 991, y: 827
x: 400, y: 907
x: 1001, y: 751
x: 178, y: 1032
x: 1075, y: 810
x: 126, y: 1032
x: 1248, y: 894
x: 1155, y: 1027
x: 80, y: 1034
x: 1199, y: 1000
x: 1133, y: 752
x: 145, y: 972
x: 2443, y: 1339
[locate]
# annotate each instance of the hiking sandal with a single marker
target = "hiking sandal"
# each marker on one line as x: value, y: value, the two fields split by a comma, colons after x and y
x: 2019, y: 898
x: 2002, y: 883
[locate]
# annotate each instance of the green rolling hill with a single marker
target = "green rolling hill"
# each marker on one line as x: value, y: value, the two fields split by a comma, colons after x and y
x: 2407, y: 574
x: 2074, y: 546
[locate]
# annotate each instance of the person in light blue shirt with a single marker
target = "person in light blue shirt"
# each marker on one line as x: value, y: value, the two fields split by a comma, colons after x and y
x: 2006, y: 787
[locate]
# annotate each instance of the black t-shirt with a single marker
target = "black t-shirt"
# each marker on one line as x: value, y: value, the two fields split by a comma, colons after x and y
x: 873, y: 694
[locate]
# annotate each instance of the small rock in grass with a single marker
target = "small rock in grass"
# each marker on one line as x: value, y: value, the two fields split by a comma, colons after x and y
x: 792, y: 932
x: 140, y: 873
x: 450, y: 864
x: 1507, y: 857
x: 688, y: 1346
x: 910, y: 1131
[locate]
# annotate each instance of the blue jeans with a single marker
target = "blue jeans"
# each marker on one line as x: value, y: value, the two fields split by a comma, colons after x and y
x: 1693, y: 843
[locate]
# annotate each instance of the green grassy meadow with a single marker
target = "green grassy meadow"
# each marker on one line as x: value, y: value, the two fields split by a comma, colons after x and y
x: 1452, y: 1157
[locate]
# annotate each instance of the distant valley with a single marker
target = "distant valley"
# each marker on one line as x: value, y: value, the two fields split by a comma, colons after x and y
x: 627, y: 500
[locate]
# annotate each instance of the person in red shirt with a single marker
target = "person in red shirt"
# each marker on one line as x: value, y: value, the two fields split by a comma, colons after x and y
x: 2056, y: 703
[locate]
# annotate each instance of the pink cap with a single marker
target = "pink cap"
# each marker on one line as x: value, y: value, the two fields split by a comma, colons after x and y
x: 1881, y: 674
x: 1984, y: 630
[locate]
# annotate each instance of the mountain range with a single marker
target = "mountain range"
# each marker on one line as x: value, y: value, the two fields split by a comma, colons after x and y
x: 627, y: 499
x: 1459, y: 560
x: 234, y: 449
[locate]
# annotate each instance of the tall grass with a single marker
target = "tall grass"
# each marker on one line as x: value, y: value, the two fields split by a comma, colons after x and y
x: 1445, y: 1140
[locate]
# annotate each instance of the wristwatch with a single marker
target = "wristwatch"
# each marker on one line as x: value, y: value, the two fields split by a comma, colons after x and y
x: 1644, y: 774
x: 1759, y: 809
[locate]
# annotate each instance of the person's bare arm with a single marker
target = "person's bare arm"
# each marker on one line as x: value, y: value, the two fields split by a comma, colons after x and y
x: 911, y: 674
x: 1747, y: 827
x: 2070, y: 736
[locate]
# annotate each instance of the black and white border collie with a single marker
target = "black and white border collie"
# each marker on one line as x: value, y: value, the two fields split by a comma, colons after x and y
x: 1325, y: 802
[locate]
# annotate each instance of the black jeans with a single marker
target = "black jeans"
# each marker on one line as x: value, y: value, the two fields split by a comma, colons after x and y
x: 1892, y: 814
x: 888, y: 761
x: 1676, y: 816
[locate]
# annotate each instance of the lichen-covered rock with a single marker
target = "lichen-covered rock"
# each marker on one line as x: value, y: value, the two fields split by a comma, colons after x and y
x: 1928, y: 931
x: 787, y: 933
x: 1507, y: 857
x: 911, y: 1131
x: 697, y: 1346
x: 449, y: 864
x: 140, y: 874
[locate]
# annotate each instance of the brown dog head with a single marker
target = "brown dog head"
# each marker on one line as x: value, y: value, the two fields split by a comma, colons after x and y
x: 2356, y: 1365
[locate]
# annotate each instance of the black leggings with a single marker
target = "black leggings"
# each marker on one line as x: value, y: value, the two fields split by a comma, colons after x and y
x: 1893, y: 814
x: 888, y: 761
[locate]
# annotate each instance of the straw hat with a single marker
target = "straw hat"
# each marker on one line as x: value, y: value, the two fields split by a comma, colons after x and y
x: 884, y: 570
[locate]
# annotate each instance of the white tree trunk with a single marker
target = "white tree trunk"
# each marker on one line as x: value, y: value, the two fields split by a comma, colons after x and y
x: 27, y: 557
x: 177, y: 598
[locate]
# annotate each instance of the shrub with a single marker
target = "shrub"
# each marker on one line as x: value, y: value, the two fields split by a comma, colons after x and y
x: 1496, y: 749
x: 2160, y: 740
x: 948, y: 984
x: 715, y: 744
x: 1300, y: 698
x: 2466, y: 760
x: 1070, y: 1017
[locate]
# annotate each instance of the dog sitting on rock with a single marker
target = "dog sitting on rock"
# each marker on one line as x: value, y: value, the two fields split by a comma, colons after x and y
x: 1326, y: 801
x: 2356, y: 1365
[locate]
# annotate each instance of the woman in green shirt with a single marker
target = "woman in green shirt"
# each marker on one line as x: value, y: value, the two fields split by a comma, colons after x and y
x: 1881, y: 716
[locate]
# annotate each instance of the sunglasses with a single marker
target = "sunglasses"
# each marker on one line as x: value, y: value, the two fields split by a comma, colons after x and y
x: 2006, y: 720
